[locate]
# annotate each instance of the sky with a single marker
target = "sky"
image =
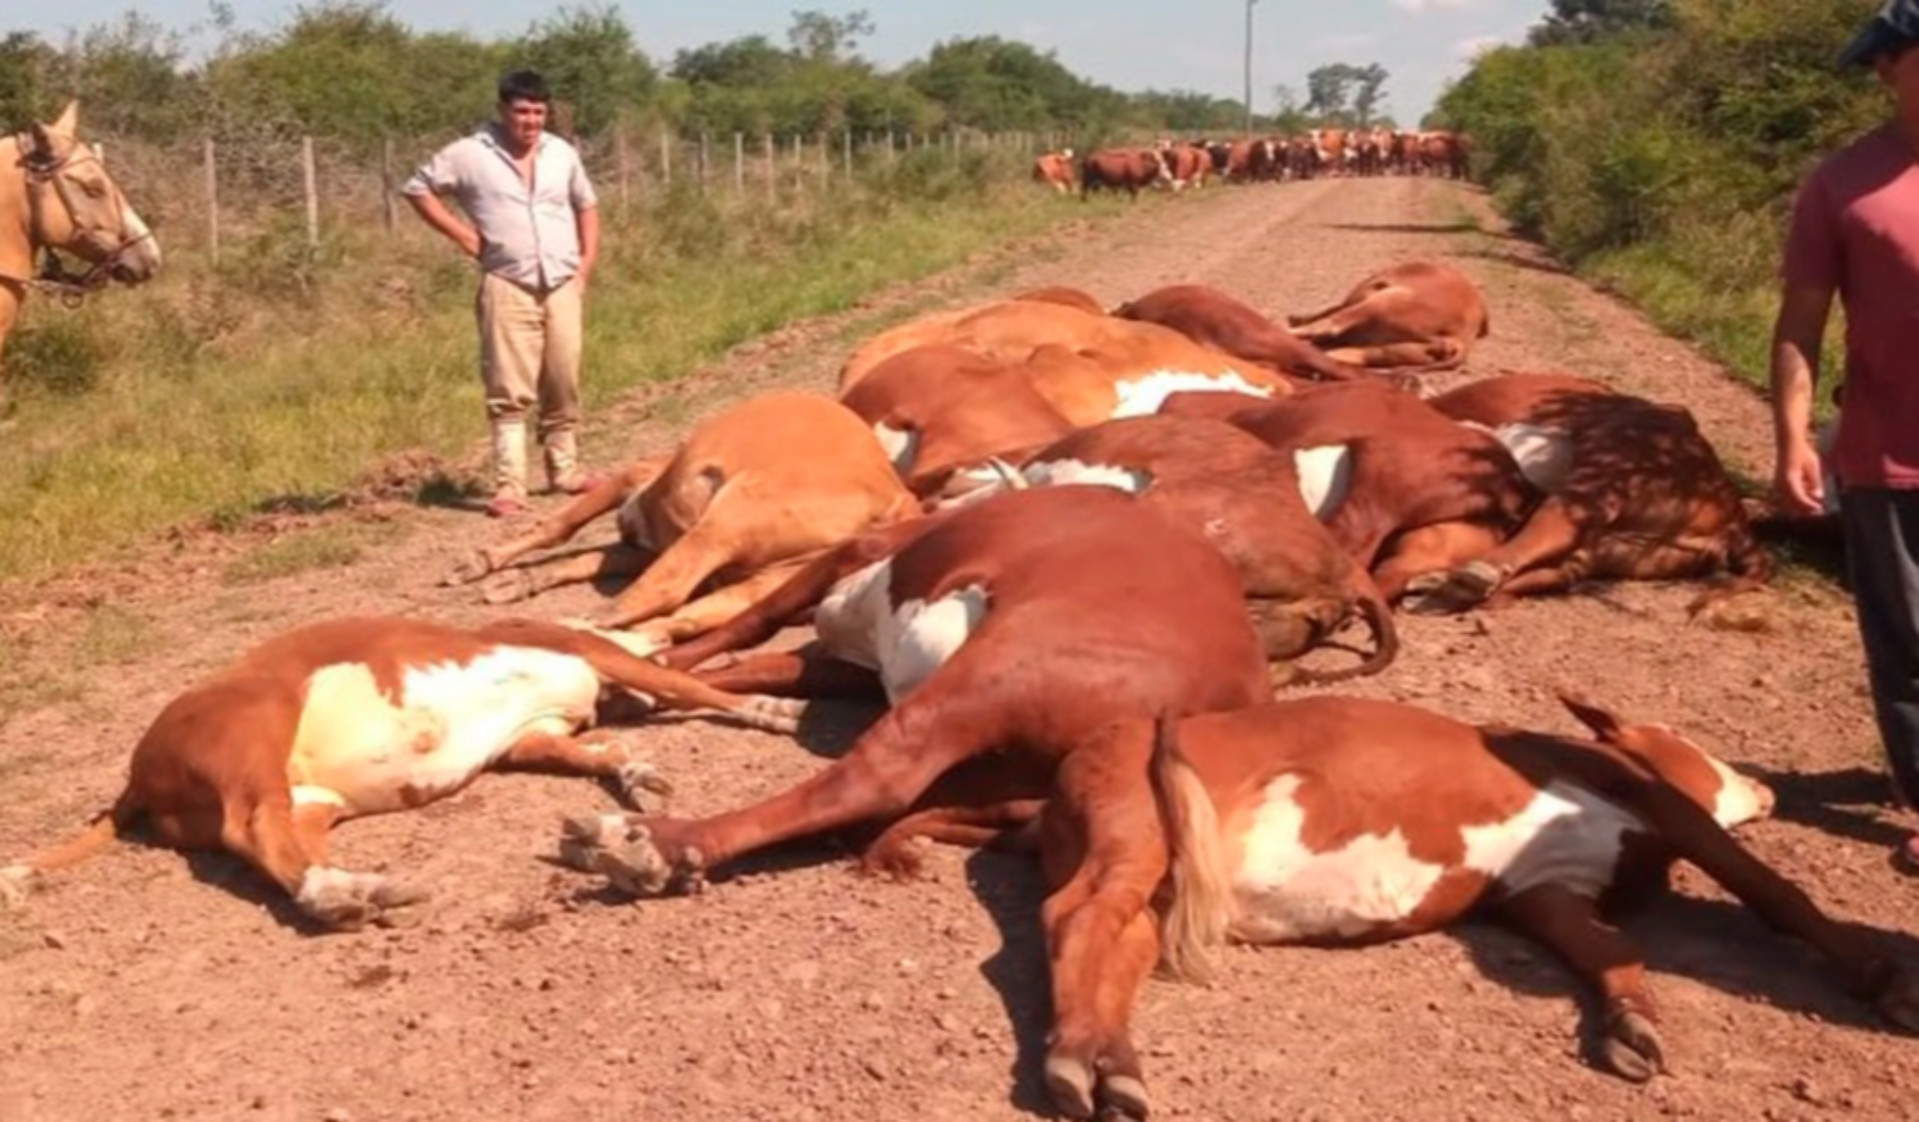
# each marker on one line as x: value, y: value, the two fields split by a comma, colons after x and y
x: 1127, y: 44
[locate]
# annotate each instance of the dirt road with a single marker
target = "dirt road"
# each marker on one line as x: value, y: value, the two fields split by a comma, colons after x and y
x: 144, y: 986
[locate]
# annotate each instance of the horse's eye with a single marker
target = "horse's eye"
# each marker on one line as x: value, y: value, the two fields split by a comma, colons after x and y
x: 97, y: 190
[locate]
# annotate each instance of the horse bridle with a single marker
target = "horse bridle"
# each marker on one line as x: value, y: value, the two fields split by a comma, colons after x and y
x: 42, y: 172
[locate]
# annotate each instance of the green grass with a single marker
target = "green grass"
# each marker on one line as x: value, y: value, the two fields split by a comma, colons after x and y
x: 215, y: 395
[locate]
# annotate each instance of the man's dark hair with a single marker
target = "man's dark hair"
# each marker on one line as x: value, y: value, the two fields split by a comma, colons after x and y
x: 525, y: 85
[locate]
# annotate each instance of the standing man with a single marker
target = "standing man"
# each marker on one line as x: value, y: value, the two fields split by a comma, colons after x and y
x: 1855, y: 232
x: 533, y: 225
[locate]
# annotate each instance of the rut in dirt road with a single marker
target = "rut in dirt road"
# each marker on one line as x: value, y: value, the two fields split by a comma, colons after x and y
x: 145, y: 985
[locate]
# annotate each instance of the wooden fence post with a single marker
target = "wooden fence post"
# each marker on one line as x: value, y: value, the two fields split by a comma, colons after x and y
x: 846, y: 152
x: 625, y: 164
x: 213, y: 204
x: 739, y: 164
x: 826, y: 161
x: 312, y: 177
x: 706, y: 163
x: 666, y: 160
x: 388, y: 214
x: 772, y: 172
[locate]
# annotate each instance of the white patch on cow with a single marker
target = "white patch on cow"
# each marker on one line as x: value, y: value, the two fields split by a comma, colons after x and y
x: 305, y: 794
x: 450, y: 722
x: 1740, y: 799
x: 902, y: 446
x: 1287, y: 892
x: 1544, y: 453
x: 1142, y: 396
x: 1325, y: 477
x: 1566, y: 835
x: 1065, y: 473
x: 858, y: 623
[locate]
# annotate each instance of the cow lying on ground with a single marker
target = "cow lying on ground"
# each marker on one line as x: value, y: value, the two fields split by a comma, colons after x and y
x: 1339, y: 821
x: 1010, y: 632
x: 752, y: 490
x: 1409, y: 492
x: 1207, y: 315
x: 938, y: 410
x: 1420, y: 317
x: 353, y: 717
x: 1250, y: 502
x: 1092, y: 368
x: 1634, y: 492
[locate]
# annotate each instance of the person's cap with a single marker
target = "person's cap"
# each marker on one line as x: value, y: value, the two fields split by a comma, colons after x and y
x: 1896, y: 25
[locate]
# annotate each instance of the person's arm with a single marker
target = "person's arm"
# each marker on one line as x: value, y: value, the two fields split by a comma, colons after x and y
x: 1814, y: 262
x: 1797, y: 336
x: 586, y: 213
x: 437, y: 177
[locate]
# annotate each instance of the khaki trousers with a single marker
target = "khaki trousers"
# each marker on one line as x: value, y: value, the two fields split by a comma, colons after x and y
x: 530, y: 346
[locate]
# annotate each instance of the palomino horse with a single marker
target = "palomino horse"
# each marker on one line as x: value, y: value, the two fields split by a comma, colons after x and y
x: 56, y: 195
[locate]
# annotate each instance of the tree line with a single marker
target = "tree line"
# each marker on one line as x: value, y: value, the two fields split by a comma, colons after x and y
x: 350, y: 70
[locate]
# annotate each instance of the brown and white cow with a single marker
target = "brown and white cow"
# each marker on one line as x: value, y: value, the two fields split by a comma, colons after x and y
x: 1131, y: 170
x: 1187, y: 164
x: 1634, y: 491
x: 751, y: 491
x: 1055, y: 170
x: 1340, y: 821
x: 1407, y: 491
x: 1421, y: 316
x: 1092, y: 368
x: 353, y: 717
x: 939, y: 410
x: 1250, y: 502
x: 1207, y: 315
x: 1008, y: 632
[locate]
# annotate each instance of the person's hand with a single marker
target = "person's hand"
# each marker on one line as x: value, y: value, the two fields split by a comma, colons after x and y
x: 580, y: 279
x: 1799, y: 481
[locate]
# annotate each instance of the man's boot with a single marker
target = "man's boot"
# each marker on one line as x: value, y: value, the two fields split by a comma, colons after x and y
x: 563, y: 469
x: 509, y: 469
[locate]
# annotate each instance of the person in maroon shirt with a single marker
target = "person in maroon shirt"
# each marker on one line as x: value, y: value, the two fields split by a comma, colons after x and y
x: 1855, y: 232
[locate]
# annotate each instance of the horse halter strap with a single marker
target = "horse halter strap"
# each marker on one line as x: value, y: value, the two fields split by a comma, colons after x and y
x: 42, y: 172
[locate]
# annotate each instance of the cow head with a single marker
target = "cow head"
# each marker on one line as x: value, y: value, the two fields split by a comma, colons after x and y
x: 1732, y: 798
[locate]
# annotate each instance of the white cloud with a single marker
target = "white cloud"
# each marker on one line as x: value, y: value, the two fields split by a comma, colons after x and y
x: 1417, y: 6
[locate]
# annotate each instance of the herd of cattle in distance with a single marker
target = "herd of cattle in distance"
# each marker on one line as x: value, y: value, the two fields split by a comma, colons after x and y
x: 1317, y: 153
x: 1076, y: 552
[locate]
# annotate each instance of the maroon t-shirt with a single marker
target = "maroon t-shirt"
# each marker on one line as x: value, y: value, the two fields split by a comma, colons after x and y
x: 1855, y: 228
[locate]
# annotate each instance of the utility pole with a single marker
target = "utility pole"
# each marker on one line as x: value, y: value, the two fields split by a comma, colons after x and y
x: 1249, y: 68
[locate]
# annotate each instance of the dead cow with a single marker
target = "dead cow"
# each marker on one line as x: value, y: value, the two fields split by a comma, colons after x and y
x: 1247, y: 499
x: 1207, y: 315
x: 1404, y: 489
x: 1018, y: 627
x: 1419, y: 317
x: 353, y: 717
x: 752, y: 490
x: 1342, y: 821
x: 1634, y: 492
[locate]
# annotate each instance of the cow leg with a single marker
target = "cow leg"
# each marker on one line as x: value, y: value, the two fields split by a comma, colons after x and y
x: 896, y: 854
x: 722, y: 604
x: 1571, y: 926
x: 1429, y: 551
x: 956, y: 715
x: 559, y: 527
x: 613, y: 562
x: 1105, y: 853
x: 263, y: 831
x: 599, y: 755
x: 802, y: 674
x: 1551, y: 534
x: 1430, y: 356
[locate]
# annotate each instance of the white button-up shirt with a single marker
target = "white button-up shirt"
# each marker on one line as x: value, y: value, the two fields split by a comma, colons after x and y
x: 528, y: 236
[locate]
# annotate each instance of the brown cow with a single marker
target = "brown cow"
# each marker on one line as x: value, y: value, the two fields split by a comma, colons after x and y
x: 1064, y: 295
x: 353, y: 717
x: 1055, y: 169
x: 1340, y: 821
x: 1123, y: 169
x: 1207, y: 315
x: 1422, y: 316
x: 1248, y: 500
x: 1092, y: 368
x: 750, y: 492
x: 939, y: 409
x: 1019, y: 627
x: 1404, y: 489
x: 1188, y: 165
x: 1634, y: 492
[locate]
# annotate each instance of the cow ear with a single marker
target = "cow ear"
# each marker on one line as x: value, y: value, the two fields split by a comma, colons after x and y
x: 1603, y: 724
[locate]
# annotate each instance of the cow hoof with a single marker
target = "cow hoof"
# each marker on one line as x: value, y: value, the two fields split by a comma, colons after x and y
x: 638, y: 868
x: 772, y: 714
x: 508, y: 587
x: 16, y: 882
x: 1070, y: 1081
x: 348, y: 901
x: 898, y: 859
x: 643, y: 788
x: 583, y: 838
x: 1468, y: 586
x: 1631, y: 1047
x: 1123, y: 1097
x: 474, y: 567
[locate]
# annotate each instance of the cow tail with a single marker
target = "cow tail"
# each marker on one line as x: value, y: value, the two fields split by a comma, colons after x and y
x: 103, y: 829
x: 1370, y: 604
x: 1198, y: 904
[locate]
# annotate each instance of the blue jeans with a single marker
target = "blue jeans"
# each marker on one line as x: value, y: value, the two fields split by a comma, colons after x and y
x: 1882, y: 556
